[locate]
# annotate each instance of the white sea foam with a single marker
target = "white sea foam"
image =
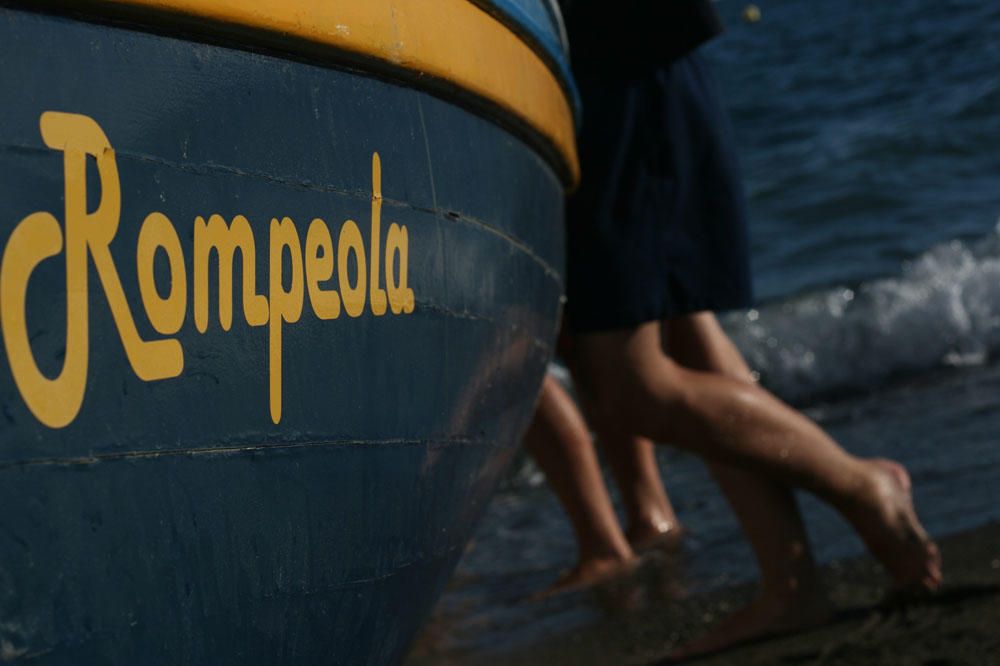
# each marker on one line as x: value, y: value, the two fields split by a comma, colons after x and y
x: 942, y: 310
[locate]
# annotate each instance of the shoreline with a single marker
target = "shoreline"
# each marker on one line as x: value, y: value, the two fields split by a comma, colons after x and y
x: 958, y: 625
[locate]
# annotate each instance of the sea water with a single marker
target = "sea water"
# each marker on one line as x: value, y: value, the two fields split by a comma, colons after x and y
x: 869, y: 135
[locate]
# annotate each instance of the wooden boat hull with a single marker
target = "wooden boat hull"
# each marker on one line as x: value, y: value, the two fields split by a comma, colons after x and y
x: 166, y: 498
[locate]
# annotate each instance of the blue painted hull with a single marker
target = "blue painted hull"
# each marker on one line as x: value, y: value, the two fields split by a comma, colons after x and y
x: 176, y: 520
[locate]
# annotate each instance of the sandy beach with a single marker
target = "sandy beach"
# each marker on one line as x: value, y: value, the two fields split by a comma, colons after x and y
x: 642, y: 617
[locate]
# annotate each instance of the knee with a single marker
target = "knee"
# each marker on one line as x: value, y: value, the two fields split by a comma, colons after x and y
x: 739, y: 371
x: 627, y: 401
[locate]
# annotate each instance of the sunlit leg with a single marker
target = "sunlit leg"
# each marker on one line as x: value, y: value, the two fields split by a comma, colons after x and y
x: 730, y: 422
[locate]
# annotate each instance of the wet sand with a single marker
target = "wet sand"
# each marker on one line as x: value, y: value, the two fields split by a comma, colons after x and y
x: 638, y: 621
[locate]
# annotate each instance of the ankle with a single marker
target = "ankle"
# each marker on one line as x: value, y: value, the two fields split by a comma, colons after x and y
x: 606, y: 553
x: 862, y: 490
x: 653, y: 522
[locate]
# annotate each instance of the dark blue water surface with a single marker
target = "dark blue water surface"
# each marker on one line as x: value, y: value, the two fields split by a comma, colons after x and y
x: 869, y: 132
x: 870, y: 145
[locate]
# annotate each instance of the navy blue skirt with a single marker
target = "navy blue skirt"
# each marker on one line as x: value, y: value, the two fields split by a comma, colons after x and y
x: 658, y: 226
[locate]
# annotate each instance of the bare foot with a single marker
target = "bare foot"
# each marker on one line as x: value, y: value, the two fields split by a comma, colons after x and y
x: 770, y: 614
x: 888, y: 524
x: 650, y: 535
x: 590, y: 572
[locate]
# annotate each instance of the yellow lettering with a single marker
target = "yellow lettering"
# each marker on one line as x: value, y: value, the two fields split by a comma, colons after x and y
x: 165, y: 314
x: 286, y: 306
x: 37, y: 237
x: 54, y: 402
x: 225, y: 240
x: 319, y: 268
x: 352, y: 295
x: 78, y: 136
x: 377, y: 297
x: 401, y: 298
x: 87, y: 232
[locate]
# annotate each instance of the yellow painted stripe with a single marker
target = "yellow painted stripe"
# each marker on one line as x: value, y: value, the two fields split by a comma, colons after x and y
x: 452, y: 40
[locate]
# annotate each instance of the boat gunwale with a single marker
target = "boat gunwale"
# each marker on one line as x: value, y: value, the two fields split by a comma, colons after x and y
x: 553, y: 137
x: 506, y: 12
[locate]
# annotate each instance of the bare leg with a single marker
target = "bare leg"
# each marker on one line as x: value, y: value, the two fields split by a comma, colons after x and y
x: 631, y: 381
x: 559, y: 441
x: 791, y: 595
x: 649, y: 513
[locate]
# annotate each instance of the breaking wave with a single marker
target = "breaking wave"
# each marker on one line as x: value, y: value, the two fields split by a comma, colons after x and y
x: 942, y: 310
